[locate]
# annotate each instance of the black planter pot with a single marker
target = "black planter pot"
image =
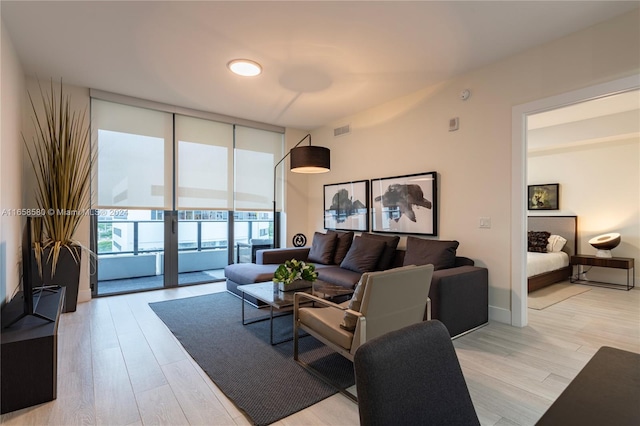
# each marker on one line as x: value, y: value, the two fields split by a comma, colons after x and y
x: 67, y: 274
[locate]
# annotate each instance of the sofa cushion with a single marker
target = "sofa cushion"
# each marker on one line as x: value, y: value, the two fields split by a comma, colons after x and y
x: 334, y: 274
x: 386, y: 259
x: 363, y: 255
x: 249, y: 273
x: 342, y: 246
x: 440, y: 253
x: 322, y: 248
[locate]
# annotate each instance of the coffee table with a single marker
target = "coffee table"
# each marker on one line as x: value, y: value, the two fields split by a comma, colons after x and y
x: 283, y: 300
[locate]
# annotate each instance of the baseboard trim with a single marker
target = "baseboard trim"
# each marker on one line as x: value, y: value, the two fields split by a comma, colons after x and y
x: 500, y: 315
x: 84, y: 296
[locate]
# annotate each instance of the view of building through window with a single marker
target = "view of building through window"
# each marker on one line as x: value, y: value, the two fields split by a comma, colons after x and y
x: 131, y: 245
x: 139, y: 231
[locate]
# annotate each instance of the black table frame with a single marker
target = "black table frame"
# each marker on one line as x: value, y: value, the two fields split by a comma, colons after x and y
x: 326, y: 290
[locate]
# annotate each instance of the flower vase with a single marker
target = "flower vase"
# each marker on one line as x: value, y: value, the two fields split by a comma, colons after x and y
x: 295, y: 285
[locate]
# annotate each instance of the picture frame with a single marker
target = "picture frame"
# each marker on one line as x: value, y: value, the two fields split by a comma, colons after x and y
x: 405, y: 204
x: 346, y: 206
x: 544, y: 197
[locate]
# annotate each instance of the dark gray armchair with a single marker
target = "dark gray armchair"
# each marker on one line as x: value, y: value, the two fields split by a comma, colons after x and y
x: 412, y: 376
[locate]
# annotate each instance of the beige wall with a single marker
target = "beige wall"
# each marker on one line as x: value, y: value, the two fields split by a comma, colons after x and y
x: 599, y: 183
x: 11, y: 96
x: 410, y: 135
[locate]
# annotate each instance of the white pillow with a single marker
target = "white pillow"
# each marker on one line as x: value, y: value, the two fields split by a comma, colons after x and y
x: 556, y: 243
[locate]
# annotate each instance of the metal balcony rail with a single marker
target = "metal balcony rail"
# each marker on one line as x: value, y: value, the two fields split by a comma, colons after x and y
x: 183, y: 246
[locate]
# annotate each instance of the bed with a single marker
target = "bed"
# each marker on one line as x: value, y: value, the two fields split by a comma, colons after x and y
x: 544, y: 269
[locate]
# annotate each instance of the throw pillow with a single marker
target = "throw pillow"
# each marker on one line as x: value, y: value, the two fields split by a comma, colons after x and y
x: 342, y: 246
x: 322, y: 248
x: 349, y: 321
x: 537, y: 241
x: 556, y: 243
x: 440, y: 253
x: 363, y: 255
x: 388, y: 255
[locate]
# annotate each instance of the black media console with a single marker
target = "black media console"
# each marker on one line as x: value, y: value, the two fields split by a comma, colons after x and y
x: 29, y: 362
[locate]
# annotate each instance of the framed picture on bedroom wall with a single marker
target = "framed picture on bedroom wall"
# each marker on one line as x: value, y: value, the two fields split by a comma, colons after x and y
x: 346, y: 206
x: 405, y: 204
x: 544, y: 197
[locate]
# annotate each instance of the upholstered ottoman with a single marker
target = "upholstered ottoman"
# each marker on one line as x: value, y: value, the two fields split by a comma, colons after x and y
x: 247, y: 273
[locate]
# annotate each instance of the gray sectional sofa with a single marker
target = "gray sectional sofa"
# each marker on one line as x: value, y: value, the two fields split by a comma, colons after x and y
x: 459, y: 289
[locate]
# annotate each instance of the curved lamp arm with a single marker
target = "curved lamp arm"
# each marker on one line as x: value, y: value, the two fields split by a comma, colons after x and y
x: 276, y: 223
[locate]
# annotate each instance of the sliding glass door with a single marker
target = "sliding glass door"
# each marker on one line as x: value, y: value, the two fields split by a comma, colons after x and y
x: 177, y: 196
x: 204, y: 197
x: 132, y: 189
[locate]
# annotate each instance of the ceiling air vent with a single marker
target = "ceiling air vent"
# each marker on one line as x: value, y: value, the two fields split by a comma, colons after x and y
x: 339, y: 131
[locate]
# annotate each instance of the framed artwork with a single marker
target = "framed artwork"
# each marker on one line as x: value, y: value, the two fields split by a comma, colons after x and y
x: 405, y: 204
x: 346, y: 206
x: 544, y: 197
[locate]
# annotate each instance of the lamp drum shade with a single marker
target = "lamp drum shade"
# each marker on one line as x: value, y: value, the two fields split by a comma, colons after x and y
x: 604, y: 243
x: 310, y: 159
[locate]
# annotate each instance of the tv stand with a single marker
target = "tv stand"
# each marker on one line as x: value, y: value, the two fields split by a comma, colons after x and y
x: 29, y: 349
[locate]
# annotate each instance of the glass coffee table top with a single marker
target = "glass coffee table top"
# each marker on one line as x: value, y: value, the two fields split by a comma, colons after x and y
x: 268, y: 293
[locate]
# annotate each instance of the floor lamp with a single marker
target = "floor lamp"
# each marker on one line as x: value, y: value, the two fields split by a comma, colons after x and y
x: 304, y: 159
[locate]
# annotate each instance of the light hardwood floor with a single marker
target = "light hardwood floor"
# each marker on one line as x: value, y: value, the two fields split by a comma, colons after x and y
x: 119, y: 365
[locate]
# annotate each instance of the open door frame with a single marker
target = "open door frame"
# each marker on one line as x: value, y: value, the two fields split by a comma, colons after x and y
x: 519, y: 179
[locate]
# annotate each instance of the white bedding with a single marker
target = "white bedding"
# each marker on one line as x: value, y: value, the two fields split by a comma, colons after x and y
x: 538, y: 263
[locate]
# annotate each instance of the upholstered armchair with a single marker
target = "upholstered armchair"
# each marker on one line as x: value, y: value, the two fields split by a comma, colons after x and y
x: 383, y: 301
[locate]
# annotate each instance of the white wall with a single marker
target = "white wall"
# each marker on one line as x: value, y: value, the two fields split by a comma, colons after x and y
x: 599, y: 183
x: 11, y: 95
x: 410, y: 135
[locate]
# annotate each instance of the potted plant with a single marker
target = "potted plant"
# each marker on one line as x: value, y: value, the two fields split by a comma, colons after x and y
x: 61, y: 157
x: 294, y: 275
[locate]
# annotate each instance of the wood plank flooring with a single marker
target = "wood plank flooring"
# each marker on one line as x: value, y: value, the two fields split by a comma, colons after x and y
x: 119, y: 365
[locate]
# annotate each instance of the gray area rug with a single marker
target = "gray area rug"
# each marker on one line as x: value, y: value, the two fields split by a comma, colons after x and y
x: 262, y: 380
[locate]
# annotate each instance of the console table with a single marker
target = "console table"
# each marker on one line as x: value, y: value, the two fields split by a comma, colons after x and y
x: 606, y: 262
x: 29, y: 349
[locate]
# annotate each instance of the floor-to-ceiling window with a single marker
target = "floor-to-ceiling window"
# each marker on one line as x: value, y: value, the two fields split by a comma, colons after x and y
x: 204, y: 196
x: 175, y: 194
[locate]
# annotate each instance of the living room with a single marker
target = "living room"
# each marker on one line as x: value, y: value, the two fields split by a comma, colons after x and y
x: 474, y: 165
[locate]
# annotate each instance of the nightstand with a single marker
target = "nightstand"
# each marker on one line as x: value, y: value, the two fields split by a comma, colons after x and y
x: 606, y: 262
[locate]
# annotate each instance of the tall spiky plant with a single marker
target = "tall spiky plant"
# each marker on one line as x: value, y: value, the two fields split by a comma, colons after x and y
x: 61, y: 158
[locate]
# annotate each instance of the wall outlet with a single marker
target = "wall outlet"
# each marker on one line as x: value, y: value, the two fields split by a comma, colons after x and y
x: 484, y: 222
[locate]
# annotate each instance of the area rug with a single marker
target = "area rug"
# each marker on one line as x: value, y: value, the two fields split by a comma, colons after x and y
x: 547, y: 296
x: 262, y: 380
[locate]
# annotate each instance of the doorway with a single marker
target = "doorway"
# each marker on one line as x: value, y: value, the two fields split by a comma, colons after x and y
x: 520, y: 115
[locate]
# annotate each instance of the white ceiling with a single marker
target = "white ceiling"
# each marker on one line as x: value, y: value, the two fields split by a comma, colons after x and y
x: 608, y: 119
x: 322, y: 60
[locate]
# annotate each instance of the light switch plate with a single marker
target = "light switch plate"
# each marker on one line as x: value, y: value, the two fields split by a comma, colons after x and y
x: 454, y: 124
x: 485, y: 222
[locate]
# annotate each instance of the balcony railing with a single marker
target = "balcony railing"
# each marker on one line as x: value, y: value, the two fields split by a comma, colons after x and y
x: 153, y: 240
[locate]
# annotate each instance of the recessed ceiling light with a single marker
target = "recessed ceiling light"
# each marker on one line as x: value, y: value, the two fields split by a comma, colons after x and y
x: 245, y: 67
